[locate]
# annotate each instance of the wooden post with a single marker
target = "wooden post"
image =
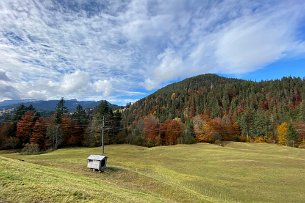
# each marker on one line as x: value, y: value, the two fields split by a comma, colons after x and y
x: 103, y: 125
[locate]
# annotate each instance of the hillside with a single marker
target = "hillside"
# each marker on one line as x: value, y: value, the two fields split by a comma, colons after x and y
x: 228, y: 108
x: 217, y: 96
x: 238, y: 172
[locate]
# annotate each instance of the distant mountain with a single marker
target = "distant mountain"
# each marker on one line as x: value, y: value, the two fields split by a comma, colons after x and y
x: 49, y: 105
x: 12, y: 102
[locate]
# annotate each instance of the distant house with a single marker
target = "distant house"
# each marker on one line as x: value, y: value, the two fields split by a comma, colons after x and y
x: 97, y: 162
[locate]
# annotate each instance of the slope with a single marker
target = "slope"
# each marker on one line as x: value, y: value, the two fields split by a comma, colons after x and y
x: 238, y: 172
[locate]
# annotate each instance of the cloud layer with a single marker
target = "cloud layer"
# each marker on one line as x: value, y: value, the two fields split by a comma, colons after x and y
x: 118, y: 50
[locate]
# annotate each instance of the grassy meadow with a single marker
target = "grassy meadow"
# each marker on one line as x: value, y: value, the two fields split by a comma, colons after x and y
x: 238, y: 172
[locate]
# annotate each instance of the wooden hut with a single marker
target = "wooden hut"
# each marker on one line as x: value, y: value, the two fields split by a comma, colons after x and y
x: 97, y: 162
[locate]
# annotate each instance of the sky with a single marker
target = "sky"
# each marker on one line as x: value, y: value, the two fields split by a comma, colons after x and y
x: 123, y: 50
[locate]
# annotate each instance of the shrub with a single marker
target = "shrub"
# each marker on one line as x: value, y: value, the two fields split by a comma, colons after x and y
x: 9, y: 143
x: 259, y: 139
x: 219, y: 142
x: 150, y: 143
x: 302, y: 145
x: 216, y: 137
x: 242, y: 138
x: 31, y: 149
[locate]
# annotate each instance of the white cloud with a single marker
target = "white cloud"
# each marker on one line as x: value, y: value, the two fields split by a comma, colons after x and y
x: 104, y: 87
x: 107, y: 49
x: 77, y: 81
x: 252, y: 42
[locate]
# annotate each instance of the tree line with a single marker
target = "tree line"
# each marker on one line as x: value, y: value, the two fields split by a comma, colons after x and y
x: 28, y: 130
x: 206, y: 108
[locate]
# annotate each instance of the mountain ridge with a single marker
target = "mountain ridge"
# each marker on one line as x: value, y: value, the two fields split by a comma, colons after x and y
x: 49, y: 105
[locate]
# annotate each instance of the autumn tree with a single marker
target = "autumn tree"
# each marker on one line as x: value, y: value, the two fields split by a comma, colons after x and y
x: 282, y: 133
x: 70, y: 135
x: 152, y: 130
x: 231, y: 130
x: 198, y: 123
x: 172, y: 131
x: 39, y: 133
x: 25, y: 126
x: 213, y: 130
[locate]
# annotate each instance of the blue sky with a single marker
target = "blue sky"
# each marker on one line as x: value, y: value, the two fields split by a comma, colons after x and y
x: 123, y: 50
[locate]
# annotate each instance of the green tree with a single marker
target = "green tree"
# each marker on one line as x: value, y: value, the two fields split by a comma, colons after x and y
x: 102, y: 118
x: 60, y: 110
x: 188, y: 136
x: 292, y: 136
x: 246, y: 123
x: 80, y: 116
x: 302, y: 111
x: 261, y: 123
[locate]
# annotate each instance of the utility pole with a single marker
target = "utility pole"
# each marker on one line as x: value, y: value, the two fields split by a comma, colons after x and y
x: 103, y: 125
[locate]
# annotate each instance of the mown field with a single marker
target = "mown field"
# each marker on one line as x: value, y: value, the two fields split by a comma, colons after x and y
x: 238, y: 172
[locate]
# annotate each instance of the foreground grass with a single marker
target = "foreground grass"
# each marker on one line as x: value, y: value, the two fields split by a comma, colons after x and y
x: 238, y: 172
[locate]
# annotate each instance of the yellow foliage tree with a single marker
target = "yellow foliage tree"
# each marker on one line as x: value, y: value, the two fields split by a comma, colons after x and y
x: 282, y: 133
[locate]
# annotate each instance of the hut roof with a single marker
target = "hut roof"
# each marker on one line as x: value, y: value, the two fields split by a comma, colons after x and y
x: 96, y: 157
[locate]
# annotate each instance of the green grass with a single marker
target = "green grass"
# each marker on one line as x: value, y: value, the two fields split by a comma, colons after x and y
x: 238, y: 172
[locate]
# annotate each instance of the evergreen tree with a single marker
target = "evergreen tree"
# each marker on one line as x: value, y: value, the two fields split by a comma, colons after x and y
x: 261, y: 124
x: 302, y: 111
x: 102, y: 118
x: 80, y: 116
x: 292, y: 136
x: 60, y: 110
x: 188, y: 136
x: 246, y: 123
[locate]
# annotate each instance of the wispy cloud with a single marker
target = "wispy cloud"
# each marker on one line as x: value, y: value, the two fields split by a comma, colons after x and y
x: 107, y: 49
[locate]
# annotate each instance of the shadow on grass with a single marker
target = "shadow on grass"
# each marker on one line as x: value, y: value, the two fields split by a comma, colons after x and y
x: 114, y: 169
x: 109, y: 170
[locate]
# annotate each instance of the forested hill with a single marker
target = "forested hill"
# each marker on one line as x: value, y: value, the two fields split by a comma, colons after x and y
x: 257, y: 107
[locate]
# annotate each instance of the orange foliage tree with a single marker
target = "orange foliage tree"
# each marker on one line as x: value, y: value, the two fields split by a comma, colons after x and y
x: 210, y: 130
x: 25, y: 126
x: 199, y: 122
x: 39, y: 133
x: 70, y: 135
x: 282, y: 133
x: 171, y: 130
x: 152, y: 130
